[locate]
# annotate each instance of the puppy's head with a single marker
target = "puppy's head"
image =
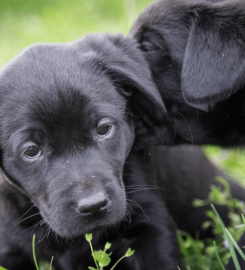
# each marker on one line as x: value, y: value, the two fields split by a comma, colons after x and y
x: 66, y: 127
x: 200, y: 45
x: 195, y: 50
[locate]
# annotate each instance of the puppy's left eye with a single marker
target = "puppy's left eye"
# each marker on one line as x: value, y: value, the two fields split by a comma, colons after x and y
x: 104, y: 130
x: 32, y: 152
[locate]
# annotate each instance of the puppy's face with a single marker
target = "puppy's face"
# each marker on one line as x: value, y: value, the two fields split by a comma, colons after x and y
x: 66, y: 132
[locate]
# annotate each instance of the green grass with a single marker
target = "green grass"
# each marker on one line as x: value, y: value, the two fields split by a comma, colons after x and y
x: 231, y: 161
x: 207, y: 254
x: 26, y: 22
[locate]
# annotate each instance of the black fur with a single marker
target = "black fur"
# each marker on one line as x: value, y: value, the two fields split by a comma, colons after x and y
x: 185, y: 173
x: 195, y: 50
x: 151, y: 235
x: 54, y: 100
x: 196, y: 53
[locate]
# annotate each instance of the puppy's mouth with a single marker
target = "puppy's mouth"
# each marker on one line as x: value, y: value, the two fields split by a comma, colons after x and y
x: 72, y: 223
x: 77, y: 229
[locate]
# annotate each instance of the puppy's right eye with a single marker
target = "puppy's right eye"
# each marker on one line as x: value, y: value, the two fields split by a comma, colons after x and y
x: 32, y: 152
x: 103, y: 130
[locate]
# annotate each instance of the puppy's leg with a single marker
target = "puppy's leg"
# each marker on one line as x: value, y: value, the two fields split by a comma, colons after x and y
x: 16, y: 261
x: 151, y: 231
x: 153, y: 237
x: 185, y: 174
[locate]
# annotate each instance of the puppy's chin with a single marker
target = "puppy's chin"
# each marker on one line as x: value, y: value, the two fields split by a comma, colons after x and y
x: 75, y: 225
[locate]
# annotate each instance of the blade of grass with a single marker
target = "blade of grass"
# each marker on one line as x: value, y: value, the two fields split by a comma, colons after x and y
x: 117, y: 262
x: 235, y: 244
x: 233, y: 253
x: 240, y: 226
x: 221, y: 264
x: 182, y: 247
x: 243, y: 218
x: 1, y: 268
x: 51, y: 262
x: 33, y: 251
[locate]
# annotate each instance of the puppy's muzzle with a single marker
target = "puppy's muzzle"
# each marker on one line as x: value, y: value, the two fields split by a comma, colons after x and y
x: 95, y: 205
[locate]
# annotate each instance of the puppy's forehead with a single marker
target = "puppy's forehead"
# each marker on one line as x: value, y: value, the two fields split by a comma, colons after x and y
x: 56, y: 83
x: 44, y: 66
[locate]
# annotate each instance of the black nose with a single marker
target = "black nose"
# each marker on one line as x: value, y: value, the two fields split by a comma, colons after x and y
x: 94, y: 204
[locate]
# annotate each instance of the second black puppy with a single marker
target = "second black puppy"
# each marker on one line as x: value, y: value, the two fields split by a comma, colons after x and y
x: 195, y: 49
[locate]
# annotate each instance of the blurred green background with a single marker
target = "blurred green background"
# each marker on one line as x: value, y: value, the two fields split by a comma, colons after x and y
x: 23, y: 22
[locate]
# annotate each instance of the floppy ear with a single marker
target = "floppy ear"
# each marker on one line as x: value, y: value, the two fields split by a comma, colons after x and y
x: 124, y: 62
x: 214, y: 61
x: 130, y: 72
x: 121, y: 59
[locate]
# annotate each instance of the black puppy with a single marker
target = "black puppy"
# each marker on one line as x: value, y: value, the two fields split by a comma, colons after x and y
x: 66, y: 129
x: 196, y: 53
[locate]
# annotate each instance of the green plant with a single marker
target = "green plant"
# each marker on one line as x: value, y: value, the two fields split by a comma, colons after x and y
x: 33, y: 251
x: 221, y: 196
x: 230, y: 245
x: 43, y: 264
x: 101, y: 257
x: 204, y: 255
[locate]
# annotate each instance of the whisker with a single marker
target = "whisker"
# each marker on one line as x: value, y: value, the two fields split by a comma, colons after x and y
x: 45, y: 234
x: 24, y: 214
x: 130, y: 113
x: 30, y: 228
x: 40, y: 222
x: 17, y: 223
x: 43, y: 231
x: 134, y: 191
x: 143, y: 186
x: 139, y: 207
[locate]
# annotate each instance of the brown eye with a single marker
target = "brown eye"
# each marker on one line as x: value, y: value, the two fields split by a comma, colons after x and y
x: 103, y: 130
x: 32, y: 152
